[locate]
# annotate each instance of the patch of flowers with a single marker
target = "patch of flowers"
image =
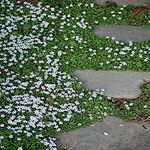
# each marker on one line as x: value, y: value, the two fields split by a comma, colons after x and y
x: 39, y: 94
x: 33, y: 79
x: 118, y: 56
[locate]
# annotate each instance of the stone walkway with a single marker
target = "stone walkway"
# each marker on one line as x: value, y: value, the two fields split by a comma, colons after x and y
x: 124, y: 33
x: 123, y: 84
x: 123, y: 2
x: 111, y: 134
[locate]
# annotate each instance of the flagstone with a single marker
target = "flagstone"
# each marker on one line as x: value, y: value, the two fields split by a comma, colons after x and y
x: 120, y: 136
x: 123, y: 84
x: 123, y: 2
x: 124, y: 33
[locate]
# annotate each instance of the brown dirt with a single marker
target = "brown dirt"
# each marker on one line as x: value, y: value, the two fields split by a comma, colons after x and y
x: 141, y: 118
x: 141, y: 9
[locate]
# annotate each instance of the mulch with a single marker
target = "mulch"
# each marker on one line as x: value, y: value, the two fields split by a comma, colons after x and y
x: 141, y: 9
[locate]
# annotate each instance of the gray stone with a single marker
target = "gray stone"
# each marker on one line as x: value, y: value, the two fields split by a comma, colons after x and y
x: 124, y: 33
x: 124, y: 84
x: 123, y: 2
x: 122, y: 136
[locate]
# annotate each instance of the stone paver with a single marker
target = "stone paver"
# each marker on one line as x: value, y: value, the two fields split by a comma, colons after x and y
x: 111, y: 134
x: 124, y: 33
x: 123, y: 2
x: 124, y: 84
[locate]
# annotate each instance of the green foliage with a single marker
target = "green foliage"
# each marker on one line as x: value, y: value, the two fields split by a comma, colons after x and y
x: 82, y: 58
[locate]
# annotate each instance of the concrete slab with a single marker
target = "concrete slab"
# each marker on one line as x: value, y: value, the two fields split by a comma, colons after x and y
x: 123, y: 2
x: 122, y: 136
x: 124, y: 33
x: 124, y: 84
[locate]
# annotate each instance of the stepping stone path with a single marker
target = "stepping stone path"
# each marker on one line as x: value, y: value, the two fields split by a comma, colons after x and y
x: 116, y: 84
x: 124, y: 33
x: 123, y: 2
x: 111, y: 134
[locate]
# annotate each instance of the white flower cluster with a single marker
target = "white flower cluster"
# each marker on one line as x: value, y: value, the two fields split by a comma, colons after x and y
x: 32, y: 95
x: 118, y: 54
x: 82, y: 23
x: 38, y: 92
x: 116, y: 14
